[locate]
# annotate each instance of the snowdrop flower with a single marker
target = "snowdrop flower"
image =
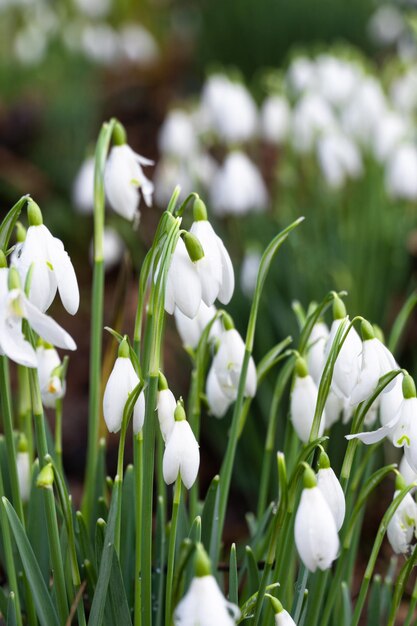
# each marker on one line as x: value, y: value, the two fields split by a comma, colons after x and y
x: 94, y: 8
x: 190, y: 330
x: 376, y: 361
x: 312, y: 117
x: 249, y: 272
x: 122, y: 381
x: 217, y: 400
x: 181, y: 456
x: 281, y: 616
x: 113, y: 248
x: 316, y: 350
x: 183, y: 285
x: 204, y: 604
x: 301, y: 75
x: 401, y: 528
x: 315, y: 529
x: 14, y: 307
x: 339, y: 159
x: 23, y: 468
x: 123, y: 177
x: 347, y: 366
x: 391, y: 400
x: 229, y: 108
x: 138, y: 44
x: 361, y: 115
x: 100, y: 43
x: 177, y: 135
x: 336, y: 79
x: 404, y: 92
x: 400, y: 176
x: 332, y: 491
x: 50, y: 383
x: 52, y: 269
x: 303, y: 402
x: 166, y: 405
x: 83, y: 187
x: 335, y: 407
x: 386, y: 25
x: 391, y: 130
x: 275, y: 119
x: 215, y: 268
x: 169, y: 173
x: 407, y: 472
x: 238, y: 187
x: 402, y: 429
x: 227, y: 364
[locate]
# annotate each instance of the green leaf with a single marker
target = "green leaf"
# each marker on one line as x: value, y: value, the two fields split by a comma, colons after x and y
x: 3, y: 602
x: 44, y: 607
x: 195, y: 530
x: 253, y: 573
x: 9, y: 222
x: 347, y: 605
x: 210, y: 518
x: 271, y: 358
x: 11, y: 610
x: 127, y: 553
x: 401, y: 322
x: 119, y: 603
x: 99, y: 540
x: 374, y: 604
x: 233, y: 578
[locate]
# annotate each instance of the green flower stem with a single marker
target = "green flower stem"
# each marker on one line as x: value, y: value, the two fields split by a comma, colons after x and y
x: 411, y: 607
x: 138, y: 465
x: 52, y: 523
x: 8, y: 555
x: 400, y: 586
x: 25, y: 408
x: 194, y: 412
x: 171, y: 551
x: 9, y: 436
x: 374, y: 554
x: 102, y: 149
x: 58, y: 431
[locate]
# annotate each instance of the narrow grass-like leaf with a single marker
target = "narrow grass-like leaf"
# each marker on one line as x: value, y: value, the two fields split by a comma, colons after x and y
x: 401, y: 322
x: 44, y: 606
x: 195, y: 530
x: 346, y: 605
x: 271, y: 358
x: 210, y: 512
x: 84, y: 543
x: 9, y: 222
x: 374, y: 604
x: 233, y: 577
x: 99, y: 540
x: 3, y: 602
x: 11, y: 610
x: 118, y: 599
x: 127, y: 555
x: 253, y: 573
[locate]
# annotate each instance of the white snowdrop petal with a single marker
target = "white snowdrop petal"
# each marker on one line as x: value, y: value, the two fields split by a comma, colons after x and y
x: 227, y: 285
x: 65, y: 275
x: 217, y: 400
x: 302, y: 407
x: 284, y: 619
x: 190, y: 461
x: 14, y: 345
x: 166, y: 408
x: 47, y: 328
x: 332, y: 491
x: 139, y: 413
x: 120, y: 383
x: 205, y: 605
x: 23, y: 474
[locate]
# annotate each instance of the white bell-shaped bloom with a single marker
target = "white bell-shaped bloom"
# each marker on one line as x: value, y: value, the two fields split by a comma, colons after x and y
x: 347, y: 366
x: 229, y: 109
x: 205, y: 605
x: 336, y: 79
x: 404, y: 92
x: 249, y: 272
x: 138, y: 45
x: 227, y: 365
x: 23, y: 474
x: 334, y: 409
x: 166, y: 405
x: 315, y: 530
x: 301, y: 75
x: 316, y: 357
x: 238, y: 187
x: 303, y: 405
x: 407, y: 472
x: 123, y: 177
x: 51, y: 386
x: 94, y: 8
x: 275, y: 119
x: 190, y: 330
x: 100, y: 43
x: 312, y: 117
x: 83, y: 187
x: 376, y: 361
x: 215, y: 269
x: 113, y: 248
x: 122, y: 380
x: 391, y: 130
x: 177, y: 136
x: 401, y: 528
x: 182, y: 455
x: 400, y: 178
x: 332, y: 491
x: 362, y: 112
x: 339, y: 159
x: 386, y: 25
x: 217, y: 400
x: 283, y: 618
x: 390, y: 402
x: 183, y: 286
x: 52, y: 269
x: 14, y: 307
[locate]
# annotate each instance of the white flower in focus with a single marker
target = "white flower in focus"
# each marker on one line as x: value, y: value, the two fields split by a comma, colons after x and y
x: 190, y: 330
x: 315, y: 529
x: 400, y: 175
x: 217, y: 400
x: 182, y: 455
x: 52, y: 269
x: 215, y: 268
x: 347, y: 366
x: 229, y: 109
x: 332, y: 491
x: 303, y: 403
x: 205, y: 605
x: 407, y: 472
x: 122, y: 381
x: 166, y: 405
x: 123, y: 178
x: 83, y: 187
x: 15, y: 307
x: 335, y: 407
x: 339, y: 159
x: 283, y: 618
x: 113, y: 248
x: 227, y: 365
x: 238, y: 187
x: 316, y: 358
x: 51, y: 386
x: 249, y: 272
x: 23, y: 474
x: 183, y: 285
x: 275, y: 119
x: 312, y: 117
x: 390, y: 401
x: 177, y: 135
x: 138, y: 44
x: 400, y: 530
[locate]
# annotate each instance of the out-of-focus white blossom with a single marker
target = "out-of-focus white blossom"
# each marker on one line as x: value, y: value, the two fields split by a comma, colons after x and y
x: 138, y: 45
x: 51, y: 386
x: 339, y: 159
x: 275, y: 119
x: 249, y: 272
x: 100, y: 43
x: 113, y: 248
x: 83, y: 187
x: 303, y: 403
x: 391, y: 130
x: 312, y: 117
x: 361, y: 115
x: 190, y: 330
x: 386, y: 25
x: 401, y: 179
x: 301, y: 75
x: 177, y: 136
x: 94, y: 8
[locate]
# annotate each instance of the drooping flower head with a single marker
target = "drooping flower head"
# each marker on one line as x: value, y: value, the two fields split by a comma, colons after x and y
x: 331, y: 489
x: 303, y: 402
x: 50, y: 374
x: 182, y: 455
x: 281, y: 616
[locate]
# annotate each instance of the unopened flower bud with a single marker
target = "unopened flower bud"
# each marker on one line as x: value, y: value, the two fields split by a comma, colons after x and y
x: 45, y: 477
